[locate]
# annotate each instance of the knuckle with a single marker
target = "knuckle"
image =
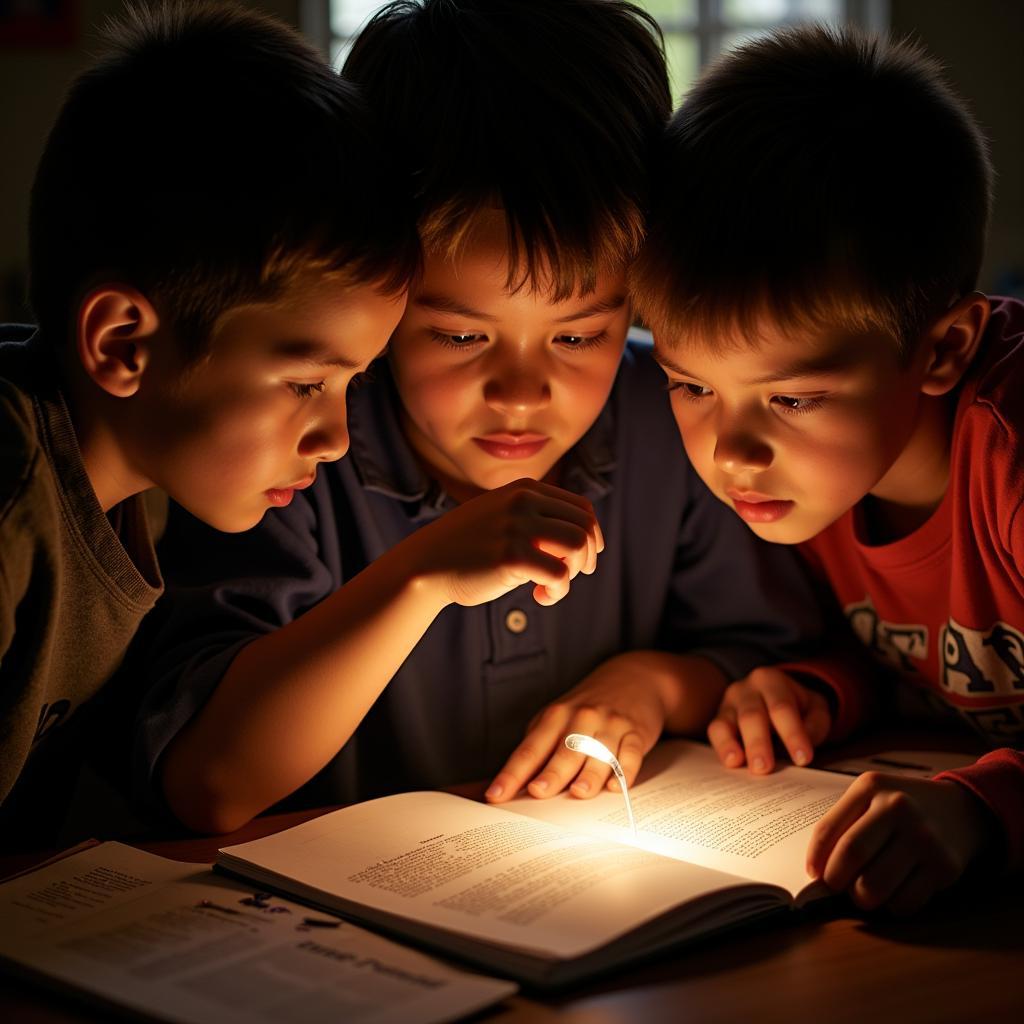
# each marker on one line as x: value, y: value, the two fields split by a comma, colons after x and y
x: 750, y: 714
x: 619, y: 722
x: 529, y: 752
x: 871, y: 782
x: 761, y: 676
x: 900, y: 805
x: 554, y: 712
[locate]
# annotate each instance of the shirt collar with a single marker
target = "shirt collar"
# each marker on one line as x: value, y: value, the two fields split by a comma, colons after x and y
x: 385, y: 463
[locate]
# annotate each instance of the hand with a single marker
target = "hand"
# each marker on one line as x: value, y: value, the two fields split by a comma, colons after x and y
x: 768, y: 698
x: 526, y: 531
x: 618, y: 704
x: 893, y: 841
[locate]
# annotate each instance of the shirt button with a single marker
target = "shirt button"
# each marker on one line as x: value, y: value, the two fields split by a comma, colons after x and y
x: 516, y: 621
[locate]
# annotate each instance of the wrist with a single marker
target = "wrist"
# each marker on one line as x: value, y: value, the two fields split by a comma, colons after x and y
x: 980, y: 830
x: 410, y: 579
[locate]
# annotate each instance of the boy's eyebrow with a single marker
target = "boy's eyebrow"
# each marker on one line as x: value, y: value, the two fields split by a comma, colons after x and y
x: 616, y: 302
x: 446, y: 304
x: 313, y: 352
x: 830, y: 363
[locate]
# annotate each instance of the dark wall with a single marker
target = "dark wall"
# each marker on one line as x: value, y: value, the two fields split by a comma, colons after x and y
x: 981, y: 42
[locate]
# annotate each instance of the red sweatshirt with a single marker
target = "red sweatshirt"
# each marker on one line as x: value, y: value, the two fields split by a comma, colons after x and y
x: 946, y: 603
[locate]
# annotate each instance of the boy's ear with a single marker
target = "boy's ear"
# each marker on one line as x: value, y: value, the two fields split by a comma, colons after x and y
x: 114, y: 333
x: 952, y: 341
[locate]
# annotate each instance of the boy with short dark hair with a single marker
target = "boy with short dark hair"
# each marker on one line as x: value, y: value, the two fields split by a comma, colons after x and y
x: 215, y: 252
x: 837, y: 380
x: 358, y: 642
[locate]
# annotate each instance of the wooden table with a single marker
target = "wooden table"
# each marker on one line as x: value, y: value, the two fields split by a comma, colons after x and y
x: 960, y: 961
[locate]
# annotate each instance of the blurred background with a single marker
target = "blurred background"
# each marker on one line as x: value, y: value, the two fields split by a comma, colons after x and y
x: 45, y: 43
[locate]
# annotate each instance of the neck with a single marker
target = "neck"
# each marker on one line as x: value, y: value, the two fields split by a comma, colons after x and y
x: 94, y: 414
x: 914, y: 486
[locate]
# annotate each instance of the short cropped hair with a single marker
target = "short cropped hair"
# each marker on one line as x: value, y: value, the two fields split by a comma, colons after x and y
x: 549, y: 109
x: 208, y: 158
x: 816, y: 177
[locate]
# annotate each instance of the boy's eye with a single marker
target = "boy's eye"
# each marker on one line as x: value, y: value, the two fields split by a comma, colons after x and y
x: 458, y: 340
x: 305, y: 390
x: 579, y: 341
x: 689, y: 390
x: 792, y: 403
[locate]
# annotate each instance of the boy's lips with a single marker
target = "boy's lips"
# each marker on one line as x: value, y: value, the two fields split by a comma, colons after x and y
x: 754, y: 507
x: 281, y: 496
x: 512, y: 446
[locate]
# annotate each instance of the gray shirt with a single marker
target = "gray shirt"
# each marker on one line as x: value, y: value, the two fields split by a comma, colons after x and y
x: 680, y: 572
x: 74, y: 586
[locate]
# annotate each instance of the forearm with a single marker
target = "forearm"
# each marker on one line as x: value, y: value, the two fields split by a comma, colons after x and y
x: 291, y: 699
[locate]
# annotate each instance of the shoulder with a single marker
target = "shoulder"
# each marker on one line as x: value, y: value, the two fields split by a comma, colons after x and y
x: 993, y: 391
x: 997, y: 374
x: 990, y: 422
x: 20, y: 448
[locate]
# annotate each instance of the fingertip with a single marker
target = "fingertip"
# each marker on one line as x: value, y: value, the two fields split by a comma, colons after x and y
x: 733, y: 758
x: 539, y: 787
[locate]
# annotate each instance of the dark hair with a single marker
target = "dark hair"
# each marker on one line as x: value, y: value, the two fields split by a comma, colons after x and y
x: 817, y: 176
x: 549, y: 109
x: 208, y: 158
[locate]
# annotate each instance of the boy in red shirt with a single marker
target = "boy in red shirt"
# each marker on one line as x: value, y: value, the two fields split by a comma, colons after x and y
x: 836, y: 379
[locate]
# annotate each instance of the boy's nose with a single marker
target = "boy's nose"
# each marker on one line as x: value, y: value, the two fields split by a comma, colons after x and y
x: 327, y: 441
x: 737, y: 452
x: 517, y: 392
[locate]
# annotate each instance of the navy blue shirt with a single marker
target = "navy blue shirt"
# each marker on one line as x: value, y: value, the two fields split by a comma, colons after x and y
x: 680, y: 572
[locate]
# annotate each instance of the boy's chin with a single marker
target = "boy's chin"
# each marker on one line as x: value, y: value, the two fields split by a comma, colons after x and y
x: 787, y: 531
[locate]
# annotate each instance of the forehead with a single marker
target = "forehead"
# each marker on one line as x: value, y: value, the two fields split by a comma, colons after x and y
x: 476, y: 277
x: 771, y: 352
x: 319, y: 317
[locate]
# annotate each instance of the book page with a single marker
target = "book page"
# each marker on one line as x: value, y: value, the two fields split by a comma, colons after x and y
x: 689, y: 807
x: 176, y: 942
x: 475, y: 870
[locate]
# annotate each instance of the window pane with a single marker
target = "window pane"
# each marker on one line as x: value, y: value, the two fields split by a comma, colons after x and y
x: 761, y: 12
x: 671, y: 13
x: 347, y: 16
x: 683, y: 56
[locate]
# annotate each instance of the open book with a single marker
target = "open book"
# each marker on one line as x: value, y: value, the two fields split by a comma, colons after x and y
x: 551, y: 891
x: 175, y: 942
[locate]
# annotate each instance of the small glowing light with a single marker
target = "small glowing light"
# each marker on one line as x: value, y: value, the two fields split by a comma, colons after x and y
x: 590, y: 747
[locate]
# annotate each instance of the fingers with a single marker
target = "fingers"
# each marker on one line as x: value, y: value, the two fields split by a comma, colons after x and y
x: 547, y: 767
x: 723, y: 737
x: 578, y: 500
x: 567, y: 769
x: 768, y: 702
x: 817, y: 719
x: 632, y: 750
x: 545, y: 732
x: 887, y: 842
x: 834, y: 823
x: 856, y: 848
x: 884, y: 875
